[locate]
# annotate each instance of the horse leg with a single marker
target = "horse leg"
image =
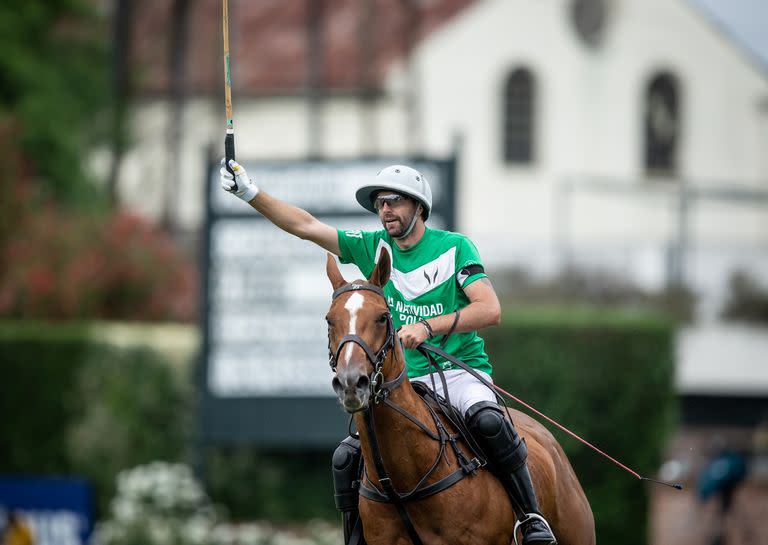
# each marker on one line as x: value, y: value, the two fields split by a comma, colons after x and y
x: 507, y: 452
x: 346, y: 473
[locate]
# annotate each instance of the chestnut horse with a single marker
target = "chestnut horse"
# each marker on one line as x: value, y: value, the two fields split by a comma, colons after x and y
x: 371, y: 383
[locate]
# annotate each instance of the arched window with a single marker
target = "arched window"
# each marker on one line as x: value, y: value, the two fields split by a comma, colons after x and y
x: 662, y: 124
x: 519, y: 112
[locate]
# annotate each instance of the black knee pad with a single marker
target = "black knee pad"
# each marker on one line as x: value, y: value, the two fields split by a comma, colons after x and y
x: 346, y: 473
x: 497, y: 436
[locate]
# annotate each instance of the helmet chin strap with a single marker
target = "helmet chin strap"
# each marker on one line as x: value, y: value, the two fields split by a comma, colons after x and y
x: 411, y: 225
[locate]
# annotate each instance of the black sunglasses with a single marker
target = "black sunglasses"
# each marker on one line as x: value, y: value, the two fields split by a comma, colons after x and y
x: 391, y: 199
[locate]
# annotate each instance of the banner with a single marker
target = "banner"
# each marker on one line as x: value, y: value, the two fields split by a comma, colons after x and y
x: 58, y: 511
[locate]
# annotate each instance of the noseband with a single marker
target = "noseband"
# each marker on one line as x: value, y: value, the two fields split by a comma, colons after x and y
x: 379, y: 389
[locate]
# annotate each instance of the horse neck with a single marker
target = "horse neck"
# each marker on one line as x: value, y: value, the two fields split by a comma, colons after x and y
x: 408, y: 452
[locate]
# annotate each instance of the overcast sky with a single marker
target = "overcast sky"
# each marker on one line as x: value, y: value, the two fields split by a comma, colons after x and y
x: 746, y: 21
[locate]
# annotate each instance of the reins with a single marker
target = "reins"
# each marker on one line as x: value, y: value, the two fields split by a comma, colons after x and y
x: 426, y: 349
x: 385, y: 491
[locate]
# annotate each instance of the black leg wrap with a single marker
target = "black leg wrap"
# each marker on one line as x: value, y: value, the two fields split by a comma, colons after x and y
x: 347, y: 466
x: 497, y: 437
x: 346, y: 474
x: 507, y: 455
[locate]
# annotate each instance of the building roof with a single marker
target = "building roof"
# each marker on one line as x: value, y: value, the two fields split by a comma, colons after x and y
x: 744, y: 22
x: 268, y: 42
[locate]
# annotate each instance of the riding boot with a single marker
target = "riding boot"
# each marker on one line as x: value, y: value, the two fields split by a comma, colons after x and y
x: 507, y: 454
x: 347, y: 466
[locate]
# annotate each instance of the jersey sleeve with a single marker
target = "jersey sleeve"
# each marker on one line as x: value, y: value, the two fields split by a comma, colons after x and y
x: 468, y: 263
x: 358, y: 247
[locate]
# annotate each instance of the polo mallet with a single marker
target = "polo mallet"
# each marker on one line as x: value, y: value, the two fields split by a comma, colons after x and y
x: 229, y: 139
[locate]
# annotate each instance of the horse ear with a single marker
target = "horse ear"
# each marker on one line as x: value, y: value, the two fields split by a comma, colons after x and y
x: 382, y: 270
x: 334, y: 274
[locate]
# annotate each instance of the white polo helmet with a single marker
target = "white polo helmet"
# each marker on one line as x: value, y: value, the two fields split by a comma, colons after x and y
x: 399, y: 178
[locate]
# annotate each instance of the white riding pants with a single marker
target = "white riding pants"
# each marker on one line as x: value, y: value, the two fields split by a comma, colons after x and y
x: 464, y: 390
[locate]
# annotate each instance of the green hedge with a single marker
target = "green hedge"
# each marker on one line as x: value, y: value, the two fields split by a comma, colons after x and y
x: 39, y: 367
x: 278, y: 485
x: 75, y: 405
x: 85, y: 407
x: 606, y: 376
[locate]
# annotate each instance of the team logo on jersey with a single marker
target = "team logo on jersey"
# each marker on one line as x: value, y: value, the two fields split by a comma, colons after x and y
x: 415, y: 283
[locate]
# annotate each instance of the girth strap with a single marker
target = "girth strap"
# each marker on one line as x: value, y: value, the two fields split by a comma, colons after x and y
x: 419, y: 494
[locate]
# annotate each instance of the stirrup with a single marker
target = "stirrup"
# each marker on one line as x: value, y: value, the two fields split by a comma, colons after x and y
x: 528, y: 517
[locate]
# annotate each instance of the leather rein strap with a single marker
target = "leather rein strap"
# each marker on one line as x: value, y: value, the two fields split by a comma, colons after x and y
x: 386, y: 482
x: 379, y: 393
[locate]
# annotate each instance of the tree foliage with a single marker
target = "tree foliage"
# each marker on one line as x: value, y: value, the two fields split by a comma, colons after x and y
x: 53, y: 91
x: 77, y: 266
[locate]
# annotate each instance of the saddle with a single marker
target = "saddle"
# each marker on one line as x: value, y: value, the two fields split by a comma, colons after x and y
x: 451, y: 430
x: 450, y: 415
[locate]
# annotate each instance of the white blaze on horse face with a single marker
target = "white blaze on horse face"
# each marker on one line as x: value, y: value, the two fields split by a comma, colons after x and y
x: 353, y: 305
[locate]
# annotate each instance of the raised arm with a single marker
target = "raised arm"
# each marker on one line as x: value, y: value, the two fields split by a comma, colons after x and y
x: 287, y: 217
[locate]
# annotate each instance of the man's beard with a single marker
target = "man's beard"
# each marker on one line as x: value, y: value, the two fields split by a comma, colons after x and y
x: 406, y: 226
x: 400, y: 230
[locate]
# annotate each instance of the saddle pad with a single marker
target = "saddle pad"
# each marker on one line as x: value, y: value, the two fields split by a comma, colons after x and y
x: 446, y: 411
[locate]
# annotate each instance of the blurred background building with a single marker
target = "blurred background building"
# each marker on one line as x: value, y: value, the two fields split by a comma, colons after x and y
x: 608, y: 152
x: 624, y: 139
x: 625, y: 136
x: 621, y: 141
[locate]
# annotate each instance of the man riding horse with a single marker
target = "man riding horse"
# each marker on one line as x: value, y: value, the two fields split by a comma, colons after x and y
x: 438, y: 288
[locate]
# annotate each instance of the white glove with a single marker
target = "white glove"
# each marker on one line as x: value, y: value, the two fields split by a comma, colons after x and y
x: 245, y: 189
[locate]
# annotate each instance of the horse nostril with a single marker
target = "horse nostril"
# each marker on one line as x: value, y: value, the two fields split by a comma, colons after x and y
x: 336, y: 383
x: 363, y: 382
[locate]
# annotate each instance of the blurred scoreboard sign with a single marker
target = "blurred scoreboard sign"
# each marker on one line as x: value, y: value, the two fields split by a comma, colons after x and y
x: 265, y: 349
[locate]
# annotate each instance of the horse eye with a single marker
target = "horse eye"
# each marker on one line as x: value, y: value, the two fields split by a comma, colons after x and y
x: 383, y: 318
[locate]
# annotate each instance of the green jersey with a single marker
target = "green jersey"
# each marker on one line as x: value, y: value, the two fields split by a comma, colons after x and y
x: 428, y: 279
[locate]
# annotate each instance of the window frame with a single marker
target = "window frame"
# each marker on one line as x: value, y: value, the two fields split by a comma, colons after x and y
x: 518, y: 138
x: 662, y: 159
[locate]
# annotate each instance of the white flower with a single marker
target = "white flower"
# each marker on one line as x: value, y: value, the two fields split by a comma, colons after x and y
x: 159, y: 531
x: 125, y: 510
x: 196, y: 530
x: 289, y: 539
x: 223, y: 534
x: 163, y: 504
x: 255, y: 534
x: 325, y: 533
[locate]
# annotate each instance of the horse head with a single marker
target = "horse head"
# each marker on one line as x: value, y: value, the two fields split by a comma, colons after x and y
x: 360, y: 334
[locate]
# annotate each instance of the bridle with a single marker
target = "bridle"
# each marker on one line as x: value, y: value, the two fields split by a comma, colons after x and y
x: 380, y: 390
x: 385, y: 491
